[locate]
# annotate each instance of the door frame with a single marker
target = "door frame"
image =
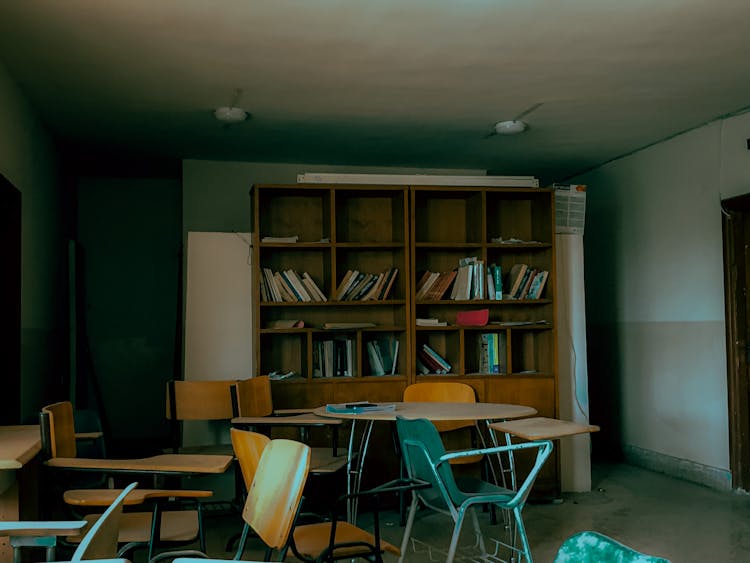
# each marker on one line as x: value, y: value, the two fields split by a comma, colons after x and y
x: 736, y: 238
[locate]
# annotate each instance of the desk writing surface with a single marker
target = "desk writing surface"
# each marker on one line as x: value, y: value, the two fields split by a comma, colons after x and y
x: 439, y: 411
x: 166, y: 463
x: 18, y: 445
x: 302, y: 419
x: 541, y: 428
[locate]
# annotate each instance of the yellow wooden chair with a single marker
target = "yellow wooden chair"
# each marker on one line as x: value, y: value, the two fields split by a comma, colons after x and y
x: 446, y: 391
x: 99, y: 540
x: 181, y: 526
x: 275, y: 493
x: 329, y: 540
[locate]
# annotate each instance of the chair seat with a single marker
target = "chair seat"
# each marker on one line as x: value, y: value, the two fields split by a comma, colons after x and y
x: 176, y: 526
x: 312, y: 539
x: 323, y: 461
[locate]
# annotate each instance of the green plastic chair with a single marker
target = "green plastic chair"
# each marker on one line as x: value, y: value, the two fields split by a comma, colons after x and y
x: 425, y: 458
x: 593, y: 547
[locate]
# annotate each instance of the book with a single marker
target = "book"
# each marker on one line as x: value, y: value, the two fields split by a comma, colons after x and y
x: 537, y: 285
x: 285, y: 288
x: 296, y: 282
x: 424, y: 289
x: 441, y: 285
x: 528, y: 278
x: 431, y: 365
x: 497, y: 276
x: 515, y: 277
x: 347, y: 325
x: 431, y: 322
x: 290, y: 239
x: 359, y: 407
x: 346, y: 281
x: 376, y: 362
x: 312, y: 288
x: 286, y: 323
x: 392, y: 273
x: 437, y: 357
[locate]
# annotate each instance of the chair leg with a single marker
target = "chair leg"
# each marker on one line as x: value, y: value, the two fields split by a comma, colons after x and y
x: 521, y: 531
x: 456, y: 534
x: 407, y: 529
x: 478, y: 531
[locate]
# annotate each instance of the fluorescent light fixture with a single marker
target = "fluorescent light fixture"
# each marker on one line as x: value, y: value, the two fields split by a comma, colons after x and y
x: 418, y: 180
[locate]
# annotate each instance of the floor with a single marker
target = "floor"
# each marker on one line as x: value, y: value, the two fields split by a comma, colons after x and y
x: 648, y: 511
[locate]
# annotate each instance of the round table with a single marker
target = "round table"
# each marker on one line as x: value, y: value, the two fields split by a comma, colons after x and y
x: 487, y: 412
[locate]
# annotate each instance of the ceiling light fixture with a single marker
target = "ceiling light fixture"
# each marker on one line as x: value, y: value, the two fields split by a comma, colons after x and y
x: 230, y: 114
x: 511, y: 127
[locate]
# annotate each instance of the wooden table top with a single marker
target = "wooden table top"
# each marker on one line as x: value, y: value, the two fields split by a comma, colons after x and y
x: 540, y: 428
x: 302, y: 419
x: 166, y: 463
x: 18, y: 445
x: 439, y: 411
x: 105, y: 497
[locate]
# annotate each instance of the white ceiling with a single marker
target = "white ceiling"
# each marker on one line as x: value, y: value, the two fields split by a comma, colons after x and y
x: 380, y: 82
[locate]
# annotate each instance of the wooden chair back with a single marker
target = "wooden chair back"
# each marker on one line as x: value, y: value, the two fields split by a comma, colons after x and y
x: 100, y: 542
x: 199, y: 400
x: 275, y: 495
x: 58, y: 430
x: 252, y: 396
x: 443, y: 391
x: 248, y: 448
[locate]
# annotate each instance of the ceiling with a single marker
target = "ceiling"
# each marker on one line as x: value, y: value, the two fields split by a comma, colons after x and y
x: 382, y: 82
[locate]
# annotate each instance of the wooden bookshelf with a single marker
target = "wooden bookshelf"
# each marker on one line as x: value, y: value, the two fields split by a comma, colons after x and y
x: 340, y: 228
x: 412, y: 228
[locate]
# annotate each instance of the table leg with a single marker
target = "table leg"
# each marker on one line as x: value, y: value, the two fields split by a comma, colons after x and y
x: 355, y: 466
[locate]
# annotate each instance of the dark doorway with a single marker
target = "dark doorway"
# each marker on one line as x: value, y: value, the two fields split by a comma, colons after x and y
x: 10, y: 302
x: 736, y: 231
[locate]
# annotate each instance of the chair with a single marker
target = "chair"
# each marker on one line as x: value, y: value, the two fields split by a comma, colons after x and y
x: 446, y: 391
x: 99, y: 541
x: 156, y: 527
x: 198, y: 401
x: 425, y: 458
x: 252, y: 404
x: 328, y: 540
x: 275, y: 495
x: 593, y: 547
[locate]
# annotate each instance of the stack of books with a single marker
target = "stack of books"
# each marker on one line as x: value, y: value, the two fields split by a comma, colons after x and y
x: 362, y: 286
x: 382, y: 354
x: 525, y: 282
x: 429, y: 361
x: 289, y: 286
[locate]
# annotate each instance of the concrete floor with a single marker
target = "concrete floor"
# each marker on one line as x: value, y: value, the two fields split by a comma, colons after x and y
x: 648, y: 511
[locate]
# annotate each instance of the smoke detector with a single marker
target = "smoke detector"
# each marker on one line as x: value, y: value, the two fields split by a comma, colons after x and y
x: 511, y: 127
x: 227, y: 114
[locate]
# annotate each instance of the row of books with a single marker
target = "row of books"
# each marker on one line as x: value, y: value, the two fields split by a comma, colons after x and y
x: 429, y: 361
x: 289, y: 286
x: 334, y: 358
x: 363, y: 286
x: 471, y: 280
x: 382, y: 353
x: 492, y: 352
x: 525, y: 282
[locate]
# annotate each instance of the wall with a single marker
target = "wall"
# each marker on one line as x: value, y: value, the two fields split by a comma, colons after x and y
x: 655, y: 301
x: 129, y: 241
x: 27, y: 159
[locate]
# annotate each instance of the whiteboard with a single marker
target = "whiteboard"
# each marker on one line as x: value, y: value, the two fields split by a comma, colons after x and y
x: 218, y: 319
x: 218, y: 306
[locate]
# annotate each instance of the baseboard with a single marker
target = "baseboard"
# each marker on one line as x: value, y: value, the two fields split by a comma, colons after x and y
x: 712, y: 477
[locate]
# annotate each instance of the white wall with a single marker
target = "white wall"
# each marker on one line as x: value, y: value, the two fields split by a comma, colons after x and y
x: 27, y: 159
x: 655, y: 296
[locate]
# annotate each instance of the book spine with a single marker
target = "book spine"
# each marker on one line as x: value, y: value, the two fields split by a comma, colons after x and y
x: 497, y: 276
x: 437, y: 357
